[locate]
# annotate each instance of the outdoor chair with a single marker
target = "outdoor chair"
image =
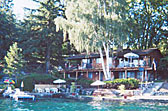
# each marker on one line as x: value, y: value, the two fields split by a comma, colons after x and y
x: 47, y: 90
x: 39, y: 90
x: 54, y: 90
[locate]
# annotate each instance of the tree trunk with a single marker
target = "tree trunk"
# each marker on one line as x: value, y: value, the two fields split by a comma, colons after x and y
x: 48, y: 59
x: 107, y: 60
x: 103, y: 65
x: 108, y: 67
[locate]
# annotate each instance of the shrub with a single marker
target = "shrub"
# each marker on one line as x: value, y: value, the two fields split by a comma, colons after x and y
x: 129, y: 83
x: 34, y: 78
x: 84, y: 82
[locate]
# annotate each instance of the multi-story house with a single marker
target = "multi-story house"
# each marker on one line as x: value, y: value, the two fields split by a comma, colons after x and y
x: 140, y: 64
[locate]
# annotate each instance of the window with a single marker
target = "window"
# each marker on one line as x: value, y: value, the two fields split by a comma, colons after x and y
x: 98, y: 60
x: 90, y: 75
x: 121, y: 75
x: 139, y: 75
x: 69, y: 75
x: 131, y: 75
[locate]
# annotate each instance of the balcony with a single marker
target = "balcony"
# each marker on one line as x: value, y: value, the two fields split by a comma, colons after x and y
x: 135, y: 63
x: 76, y: 66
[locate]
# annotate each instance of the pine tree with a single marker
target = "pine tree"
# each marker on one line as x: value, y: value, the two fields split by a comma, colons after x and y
x: 8, y: 28
x: 45, y: 42
x: 14, y: 61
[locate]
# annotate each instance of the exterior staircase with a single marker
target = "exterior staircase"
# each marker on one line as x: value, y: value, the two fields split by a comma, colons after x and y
x: 149, y: 91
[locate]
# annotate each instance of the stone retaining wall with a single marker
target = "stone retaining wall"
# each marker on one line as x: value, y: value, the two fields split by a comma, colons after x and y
x: 160, y: 93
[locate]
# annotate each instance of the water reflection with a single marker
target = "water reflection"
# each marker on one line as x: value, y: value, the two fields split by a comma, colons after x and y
x: 96, y: 104
x: 71, y: 105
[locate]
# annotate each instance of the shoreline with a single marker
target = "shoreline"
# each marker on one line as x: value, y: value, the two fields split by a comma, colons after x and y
x: 128, y: 99
x: 102, y: 98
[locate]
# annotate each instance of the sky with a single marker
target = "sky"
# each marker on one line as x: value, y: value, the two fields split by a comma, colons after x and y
x: 19, y: 5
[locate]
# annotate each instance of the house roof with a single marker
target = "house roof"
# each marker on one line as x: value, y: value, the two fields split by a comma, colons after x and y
x: 118, y: 54
x: 140, y: 52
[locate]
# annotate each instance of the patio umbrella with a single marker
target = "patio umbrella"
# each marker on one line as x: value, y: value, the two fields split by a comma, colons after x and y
x: 9, y: 81
x: 98, y: 83
x: 59, y: 81
x: 131, y: 55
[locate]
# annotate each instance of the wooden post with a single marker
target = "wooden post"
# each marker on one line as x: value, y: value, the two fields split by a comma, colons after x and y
x: 125, y: 74
x: 146, y: 75
x: 64, y: 75
x: 99, y: 74
x: 138, y: 62
x: 76, y: 75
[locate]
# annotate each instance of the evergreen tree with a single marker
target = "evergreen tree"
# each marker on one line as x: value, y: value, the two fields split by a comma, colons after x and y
x: 45, y: 43
x: 8, y: 26
x: 14, y: 60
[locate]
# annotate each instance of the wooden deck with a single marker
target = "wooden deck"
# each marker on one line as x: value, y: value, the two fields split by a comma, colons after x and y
x: 111, y: 69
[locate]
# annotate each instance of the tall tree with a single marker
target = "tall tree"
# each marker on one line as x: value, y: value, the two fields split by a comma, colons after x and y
x: 14, y: 60
x: 8, y: 29
x: 93, y: 25
x: 45, y: 42
x: 148, y: 23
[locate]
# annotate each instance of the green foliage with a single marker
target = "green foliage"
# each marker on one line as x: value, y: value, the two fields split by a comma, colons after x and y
x: 163, y: 67
x: 14, y: 60
x: 68, y: 49
x: 72, y: 89
x: 129, y: 83
x: 8, y: 26
x: 56, y: 74
x: 84, y: 82
x: 88, y: 28
x: 3, y: 86
x: 44, y: 43
x: 34, y: 78
x: 147, y: 23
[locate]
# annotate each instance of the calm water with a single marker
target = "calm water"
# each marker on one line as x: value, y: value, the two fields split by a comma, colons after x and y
x: 49, y: 104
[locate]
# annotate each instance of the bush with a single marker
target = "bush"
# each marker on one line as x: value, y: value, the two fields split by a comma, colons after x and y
x: 84, y: 82
x: 34, y: 78
x: 129, y: 83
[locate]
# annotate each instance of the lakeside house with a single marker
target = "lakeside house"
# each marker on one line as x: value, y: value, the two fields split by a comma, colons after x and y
x: 126, y: 63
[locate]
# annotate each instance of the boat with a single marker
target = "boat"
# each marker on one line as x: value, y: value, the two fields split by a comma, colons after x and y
x: 20, y: 95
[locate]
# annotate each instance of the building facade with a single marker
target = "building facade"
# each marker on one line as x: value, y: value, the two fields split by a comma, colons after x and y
x: 139, y: 64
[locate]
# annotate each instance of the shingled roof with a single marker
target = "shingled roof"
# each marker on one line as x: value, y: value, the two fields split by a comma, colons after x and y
x: 140, y: 52
x: 118, y: 54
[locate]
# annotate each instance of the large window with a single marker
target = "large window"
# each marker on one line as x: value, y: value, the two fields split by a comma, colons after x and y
x: 121, y: 75
x: 131, y: 75
x: 90, y: 75
x: 139, y: 75
x: 98, y: 60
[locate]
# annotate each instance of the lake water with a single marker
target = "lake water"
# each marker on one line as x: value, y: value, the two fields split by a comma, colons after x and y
x: 53, y: 104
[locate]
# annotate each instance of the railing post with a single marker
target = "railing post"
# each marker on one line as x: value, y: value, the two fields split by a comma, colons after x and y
x: 76, y: 75
x: 126, y: 74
